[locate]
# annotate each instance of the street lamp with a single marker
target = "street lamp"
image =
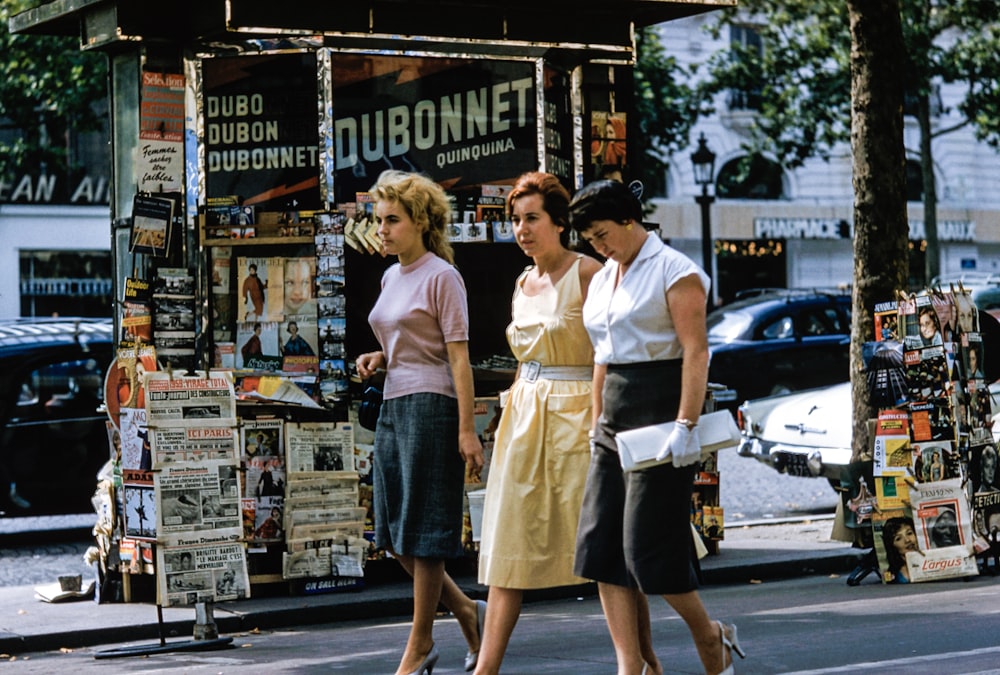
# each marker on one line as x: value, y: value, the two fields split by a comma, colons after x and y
x: 703, y: 162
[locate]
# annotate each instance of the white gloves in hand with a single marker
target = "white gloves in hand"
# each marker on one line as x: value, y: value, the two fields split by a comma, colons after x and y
x: 683, y: 446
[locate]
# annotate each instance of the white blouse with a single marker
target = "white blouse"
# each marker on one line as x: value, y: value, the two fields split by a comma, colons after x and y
x: 632, y: 323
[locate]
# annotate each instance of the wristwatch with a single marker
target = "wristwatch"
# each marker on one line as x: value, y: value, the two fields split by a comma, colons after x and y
x: 686, y: 422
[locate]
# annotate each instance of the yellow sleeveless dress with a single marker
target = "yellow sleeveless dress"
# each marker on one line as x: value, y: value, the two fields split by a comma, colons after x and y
x: 541, y: 451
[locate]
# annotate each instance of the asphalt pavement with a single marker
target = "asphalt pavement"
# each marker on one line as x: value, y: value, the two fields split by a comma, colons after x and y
x: 750, y: 554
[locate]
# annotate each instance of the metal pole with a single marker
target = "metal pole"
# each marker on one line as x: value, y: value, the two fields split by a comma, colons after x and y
x: 707, y: 253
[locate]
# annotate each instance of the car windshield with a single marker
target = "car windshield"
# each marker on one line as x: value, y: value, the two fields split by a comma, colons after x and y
x: 727, y: 325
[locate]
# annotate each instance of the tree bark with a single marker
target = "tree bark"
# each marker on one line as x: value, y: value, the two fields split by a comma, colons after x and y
x: 932, y: 258
x: 879, y: 159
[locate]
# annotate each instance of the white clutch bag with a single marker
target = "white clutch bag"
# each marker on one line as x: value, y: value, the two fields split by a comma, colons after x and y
x: 638, y: 448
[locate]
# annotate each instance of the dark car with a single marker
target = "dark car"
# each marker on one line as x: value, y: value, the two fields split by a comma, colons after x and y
x: 777, y: 341
x: 53, y: 431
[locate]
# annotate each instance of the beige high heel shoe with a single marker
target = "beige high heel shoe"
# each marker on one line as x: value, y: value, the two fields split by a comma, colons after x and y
x: 730, y: 643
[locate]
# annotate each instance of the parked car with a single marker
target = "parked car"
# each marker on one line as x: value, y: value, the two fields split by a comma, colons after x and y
x: 809, y: 433
x: 53, y: 435
x: 776, y: 341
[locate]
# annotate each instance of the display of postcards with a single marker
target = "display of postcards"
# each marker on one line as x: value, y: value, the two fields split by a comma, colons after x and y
x: 174, y: 282
x: 332, y: 222
x: 983, y: 469
x: 330, y: 245
x: 333, y: 329
x: 332, y: 307
x: 932, y: 420
x: 333, y: 369
x: 329, y: 285
x: 255, y: 341
x: 926, y: 372
x: 886, y: 320
x: 455, y: 232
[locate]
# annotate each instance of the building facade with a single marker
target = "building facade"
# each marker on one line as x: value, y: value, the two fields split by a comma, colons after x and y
x: 797, y: 231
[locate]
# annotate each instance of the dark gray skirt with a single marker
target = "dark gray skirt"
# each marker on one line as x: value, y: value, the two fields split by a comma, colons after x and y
x: 635, y: 528
x: 418, y: 475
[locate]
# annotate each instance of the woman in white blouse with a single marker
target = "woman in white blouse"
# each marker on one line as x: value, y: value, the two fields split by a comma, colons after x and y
x: 645, y: 314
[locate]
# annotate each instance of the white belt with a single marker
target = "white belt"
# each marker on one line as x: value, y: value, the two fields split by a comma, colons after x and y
x: 533, y: 370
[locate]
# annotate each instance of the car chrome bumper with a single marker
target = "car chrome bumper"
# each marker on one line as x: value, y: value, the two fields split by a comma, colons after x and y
x: 797, y: 460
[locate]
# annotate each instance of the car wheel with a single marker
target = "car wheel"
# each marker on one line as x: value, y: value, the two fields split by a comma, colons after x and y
x: 781, y: 388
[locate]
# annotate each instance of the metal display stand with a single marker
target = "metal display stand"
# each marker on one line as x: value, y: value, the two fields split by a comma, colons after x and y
x: 206, y: 637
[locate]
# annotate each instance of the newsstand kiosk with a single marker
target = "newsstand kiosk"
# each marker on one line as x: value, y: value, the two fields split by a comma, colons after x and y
x: 245, y: 135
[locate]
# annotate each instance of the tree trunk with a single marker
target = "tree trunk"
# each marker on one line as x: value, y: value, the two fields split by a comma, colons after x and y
x: 932, y: 260
x: 880, y: 224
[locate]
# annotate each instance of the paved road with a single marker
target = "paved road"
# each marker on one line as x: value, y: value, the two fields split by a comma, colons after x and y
x: 749, y: 492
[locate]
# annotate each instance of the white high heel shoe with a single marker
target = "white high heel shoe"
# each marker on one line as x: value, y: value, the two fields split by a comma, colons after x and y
x: 730, y: 644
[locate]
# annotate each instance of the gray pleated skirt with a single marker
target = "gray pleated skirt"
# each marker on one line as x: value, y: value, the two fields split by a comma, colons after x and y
x: 418, y: 476
x: 635, y: 528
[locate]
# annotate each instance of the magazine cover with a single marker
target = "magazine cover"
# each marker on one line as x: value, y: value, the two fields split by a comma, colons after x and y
x: 891, y: 453
x: 298, y: 296
x: 257, y: 346
x: 944, y: 532
x: 137, y: 313
x: 886, y: 319
x: 151, y: 225
x: 894, y: 537
x: 259, y: 281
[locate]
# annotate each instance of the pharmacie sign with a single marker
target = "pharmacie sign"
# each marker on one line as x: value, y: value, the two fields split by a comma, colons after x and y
x: 837, y: 228
x: 462, y: 121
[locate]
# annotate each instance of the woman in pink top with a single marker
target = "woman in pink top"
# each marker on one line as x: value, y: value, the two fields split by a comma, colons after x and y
x: 425, y: 435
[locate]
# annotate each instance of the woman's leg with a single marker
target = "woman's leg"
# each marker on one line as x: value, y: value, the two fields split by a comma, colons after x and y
x: 620, y: 611
x: 428, y: 578
x: 645, y: 629
x: 705, y: 632
x: 501, y: 617
x: 451, y: 596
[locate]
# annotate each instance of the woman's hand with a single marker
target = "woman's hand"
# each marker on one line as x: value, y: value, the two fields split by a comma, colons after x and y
x: 368, y: 364
x: 683, y: 446
x: 472, y: 451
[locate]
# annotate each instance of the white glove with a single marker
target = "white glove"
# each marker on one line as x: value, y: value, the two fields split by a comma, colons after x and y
x: 683, y: 446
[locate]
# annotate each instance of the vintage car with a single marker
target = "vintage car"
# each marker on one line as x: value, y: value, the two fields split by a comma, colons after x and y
x: 776, y: 341
x: 53, y: 430
x: 808, y: 433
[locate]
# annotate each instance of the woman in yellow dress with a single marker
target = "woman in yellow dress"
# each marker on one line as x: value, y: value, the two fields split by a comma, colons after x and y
x: 541, y: 451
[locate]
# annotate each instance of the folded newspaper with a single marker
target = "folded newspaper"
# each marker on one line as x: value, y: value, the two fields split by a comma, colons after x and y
x: 638, y: 448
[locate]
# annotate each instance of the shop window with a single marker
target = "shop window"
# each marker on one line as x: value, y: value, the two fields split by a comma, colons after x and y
x: 750, y: 177
x: 65, y: 283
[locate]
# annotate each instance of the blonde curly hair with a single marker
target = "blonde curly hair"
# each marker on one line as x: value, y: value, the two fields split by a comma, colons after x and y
x: 424, y: 201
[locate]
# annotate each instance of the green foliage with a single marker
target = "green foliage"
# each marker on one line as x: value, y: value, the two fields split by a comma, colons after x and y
x: 802, y: 71
x: 47, y: 86
x: 666, y: 107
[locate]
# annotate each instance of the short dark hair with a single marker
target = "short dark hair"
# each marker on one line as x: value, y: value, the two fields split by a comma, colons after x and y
x: 603, y: 200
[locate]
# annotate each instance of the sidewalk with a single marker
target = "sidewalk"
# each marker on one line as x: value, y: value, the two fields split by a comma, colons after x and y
x: 750, y: 553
